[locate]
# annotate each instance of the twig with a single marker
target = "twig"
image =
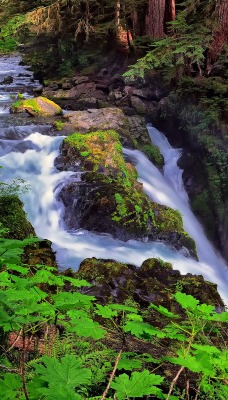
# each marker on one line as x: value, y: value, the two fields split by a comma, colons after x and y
x: 174, y: 382
x: 23, y: 369
x: 9, y: 369
x: 16, y: 340
x: 197, y: 392
x: 187, y: 389
x: 180, y: 370
x: 112, y: 375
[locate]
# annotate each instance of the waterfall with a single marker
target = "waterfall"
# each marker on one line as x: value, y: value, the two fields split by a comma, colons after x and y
x: 27, y: 152
x: 36, y: 167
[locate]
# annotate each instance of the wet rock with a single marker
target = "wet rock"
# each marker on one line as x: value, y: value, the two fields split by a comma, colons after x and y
x: 99, y: 119
x: 138, y: 105
x: 53, y: 86
x: 132, y: 129
x: 36, y: 106
x: 67, y: 85
x: 77, y: 80
x: 143, y: 93
x: 7, y: 80
x: 13, y: 217
x: 109, y: 199
x: 154, y: 282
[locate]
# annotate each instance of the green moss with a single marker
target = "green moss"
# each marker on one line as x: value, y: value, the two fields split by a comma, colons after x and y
x: 99, y: 148
x: 97, y: 270
x: 167, y: 219
x: 13, y: 217
x: 30, y: 103
x: 35, y: 106
x: 100, y: 155
x: 188, y: 242
x: 20, y: 96
x: 153, y: 153
x: 58, y: 125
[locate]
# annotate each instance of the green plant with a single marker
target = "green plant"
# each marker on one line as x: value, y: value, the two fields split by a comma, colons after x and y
x: 8, y: 40
x: 20, y: 96
x: 154, y: 154
x: 35, y: 300
x: 58, y: 125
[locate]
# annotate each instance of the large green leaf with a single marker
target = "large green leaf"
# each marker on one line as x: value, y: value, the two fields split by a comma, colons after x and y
x: 138, y: 384
x: 83, y: 325
x: 141, y: 329
x: 164, y: 311
x: 193, y: 363
x: 105, y: 311
x: 56, y: 391
x: 9, y: 386
x: 129, y: 361
x: 67, y: 300
x: 66, y: 374
x: 186, y: 301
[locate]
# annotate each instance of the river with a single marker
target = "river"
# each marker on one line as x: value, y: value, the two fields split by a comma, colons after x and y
x: 28, y: 150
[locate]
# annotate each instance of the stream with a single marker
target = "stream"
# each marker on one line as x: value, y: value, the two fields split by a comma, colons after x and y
x: 28, y: 151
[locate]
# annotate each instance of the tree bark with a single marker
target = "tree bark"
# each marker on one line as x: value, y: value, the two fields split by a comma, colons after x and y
x: 159, y: 12
x: 170, y: 12
x: 154, y: 21
x: 220, y: 34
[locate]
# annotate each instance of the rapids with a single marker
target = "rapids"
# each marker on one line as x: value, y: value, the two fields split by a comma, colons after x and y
x: 28, y: 151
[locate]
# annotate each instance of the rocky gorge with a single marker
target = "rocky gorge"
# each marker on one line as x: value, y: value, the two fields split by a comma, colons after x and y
x: 151, y: 100
x: 107, y: 198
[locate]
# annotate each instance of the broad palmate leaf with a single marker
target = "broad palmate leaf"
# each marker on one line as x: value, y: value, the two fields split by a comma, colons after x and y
x: 140, y: 329
x: 84, y: 326
x: 58, y: 392
x: 66, y: 374
x: 137, y: 385
x: 9, y: 386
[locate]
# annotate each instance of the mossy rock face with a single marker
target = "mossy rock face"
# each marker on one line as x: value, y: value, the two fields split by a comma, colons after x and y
x: 36, y: 106
x: 155, y: 281
x: 154, y: 155
x: 109, y: 198
x: 39, y: 253
x: 13, y: 217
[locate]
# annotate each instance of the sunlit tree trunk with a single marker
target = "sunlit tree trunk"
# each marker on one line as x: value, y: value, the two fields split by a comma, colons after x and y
x: 220, y: 34
x: 170, y: 12
x: 117, y: 14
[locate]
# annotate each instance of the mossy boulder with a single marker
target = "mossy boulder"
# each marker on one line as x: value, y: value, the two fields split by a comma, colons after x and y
x: 13, y: 217
x: 109, y: 198
x: 99, y: 119
x: 155, y: 281
x: 36, y: 106
x: 131, y: 129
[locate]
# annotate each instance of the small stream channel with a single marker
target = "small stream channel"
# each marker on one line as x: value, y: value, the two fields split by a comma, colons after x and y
x: 27, y: 151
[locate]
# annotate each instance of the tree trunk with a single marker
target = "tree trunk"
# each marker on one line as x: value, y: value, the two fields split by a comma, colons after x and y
x: 170, y: 13
x: 117, y: 14
x: 154, y: 21
x: 220, y: 34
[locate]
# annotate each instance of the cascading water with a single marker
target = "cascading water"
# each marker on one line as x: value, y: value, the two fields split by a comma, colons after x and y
x: 33, y: 161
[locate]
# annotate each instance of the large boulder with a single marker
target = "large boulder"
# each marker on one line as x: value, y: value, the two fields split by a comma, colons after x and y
x: 131, y: 129
x: 36, y: 106
x: 154, y: 282
x: 109, y: 198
